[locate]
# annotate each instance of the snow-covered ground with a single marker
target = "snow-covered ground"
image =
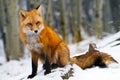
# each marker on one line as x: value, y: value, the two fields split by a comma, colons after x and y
x: 19, y: 70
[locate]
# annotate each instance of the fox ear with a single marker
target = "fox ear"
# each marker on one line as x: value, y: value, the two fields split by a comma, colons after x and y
x: 40, y: 10
x: 92, y: 47
x: 22, y: 14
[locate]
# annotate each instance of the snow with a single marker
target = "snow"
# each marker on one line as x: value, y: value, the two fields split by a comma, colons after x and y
x: 19, y: 70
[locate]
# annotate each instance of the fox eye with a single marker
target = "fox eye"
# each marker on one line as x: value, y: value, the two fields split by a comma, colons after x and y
x: 38, y: 23
x: 29, y: 24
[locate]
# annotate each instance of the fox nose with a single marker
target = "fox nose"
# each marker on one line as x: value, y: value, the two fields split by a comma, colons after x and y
x: 36, y: 31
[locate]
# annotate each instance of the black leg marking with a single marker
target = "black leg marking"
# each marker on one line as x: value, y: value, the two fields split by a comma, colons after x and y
x: 44, y: 66
x: 47, y: 66
x: 54, y: 66
x: 34, y: 70
x: 44, y: 58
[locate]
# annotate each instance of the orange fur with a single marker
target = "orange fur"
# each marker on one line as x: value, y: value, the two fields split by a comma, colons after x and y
x: 31, y: 21
x: 93, y: 58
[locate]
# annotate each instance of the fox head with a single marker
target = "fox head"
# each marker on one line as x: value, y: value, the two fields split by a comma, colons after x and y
x: 31, y: 22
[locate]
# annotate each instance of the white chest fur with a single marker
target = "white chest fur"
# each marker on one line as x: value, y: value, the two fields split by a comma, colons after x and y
x: 32, y: 38
x: 33, y: 44
x: 36, y: 46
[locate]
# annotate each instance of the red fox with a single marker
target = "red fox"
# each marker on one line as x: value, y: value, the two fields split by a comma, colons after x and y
x: 42, y: 41
x: 45, y: 44
x: 93, y: 58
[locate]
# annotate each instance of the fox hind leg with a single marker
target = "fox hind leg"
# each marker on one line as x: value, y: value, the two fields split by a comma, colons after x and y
x: 47, y: 66
x: 63, y: 55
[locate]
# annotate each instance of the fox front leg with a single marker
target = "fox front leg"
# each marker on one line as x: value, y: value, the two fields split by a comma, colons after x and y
x: 34, y: 67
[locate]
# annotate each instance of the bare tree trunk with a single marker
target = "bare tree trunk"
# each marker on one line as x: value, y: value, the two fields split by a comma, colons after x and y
x: 71, y: 20
x: 115, y: 11
x: 2, y: 16
x: 75, y: 20
x: 98, y: 18
x: 63, y: 21
x: 2, y: 27
x: 30, y: 4
x: 12, y: 27
x: 49, y: 14
x: 79, y: 20
x: 107, y: 16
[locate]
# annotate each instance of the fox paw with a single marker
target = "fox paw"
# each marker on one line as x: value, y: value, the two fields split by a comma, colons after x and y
x: 31, y: 76
x: 54, y: 66
x: 47, y: 72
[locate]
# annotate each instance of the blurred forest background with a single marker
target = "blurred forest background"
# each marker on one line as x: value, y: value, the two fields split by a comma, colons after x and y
x: 74, y: 20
